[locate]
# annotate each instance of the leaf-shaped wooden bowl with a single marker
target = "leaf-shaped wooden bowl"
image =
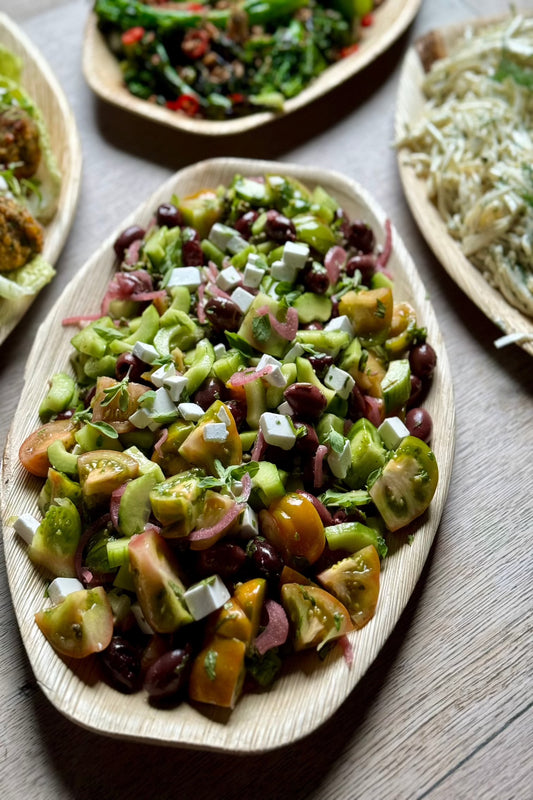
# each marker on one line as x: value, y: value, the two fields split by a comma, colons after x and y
x: 102, y: 73
x: 301, y: 700
x: 410, y: 106
x: 42, y: 86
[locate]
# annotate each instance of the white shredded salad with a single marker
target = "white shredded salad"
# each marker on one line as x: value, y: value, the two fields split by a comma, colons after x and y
x: 474, y: 146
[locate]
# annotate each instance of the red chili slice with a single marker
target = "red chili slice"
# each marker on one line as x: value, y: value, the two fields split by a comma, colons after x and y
x: 132, y: 35
x: 186, y: 103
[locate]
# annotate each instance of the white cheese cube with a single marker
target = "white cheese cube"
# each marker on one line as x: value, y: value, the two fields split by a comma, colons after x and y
x: 340, y: 381
x: 242, y: 298
x: 339, y: 463
x: 162, y: 406
x: 275, y: 377
x: 189, y: 277
x: 281, y: 271
x: 146, y: 352
x: 277, y: 430
x: 295, y: 255
x: 295, y: 352
x: 61, y: 587
x: 191, y: 411
x: 286, y: 408
x: 26, y: 526
x: 215, y: 432
x: 175, y: 384
x: 252, y: 275
x: 341, y: 323
x: 221, y: 234
x: 228, y: 279
x: 220, y: 351
x: 224, y: 416
x: 256, y: 260
x: 236, y: 244
x: 392, y: 431
x: 141, y: 418
x: 248, y: 523
x: 141, y: 620
x: 206, y: 596
x: 159, y: 376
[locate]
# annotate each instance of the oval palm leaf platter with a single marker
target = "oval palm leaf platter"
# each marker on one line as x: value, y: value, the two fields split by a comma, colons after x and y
x: 43, y: 88
x: 102, y: 73
x: 410, y: 107
x: 301, y: 700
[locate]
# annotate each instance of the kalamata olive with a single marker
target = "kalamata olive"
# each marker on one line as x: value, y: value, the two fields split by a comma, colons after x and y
x: 238, y: 411
x: 417, y: 391
x: 316, y: 278
x: 192, y: 254
x: 127, y: 237
x: 419, y: 423
x: 265, y: 558
x: 88, y: 397
x: 313, y: 326
x: 167, y: 214
x: 66, y: 414
x: 306, y: 400
x: 222, y: 558
x: 169, y: 674
x: 344, y: 223
x: 223, y: 314
x: 321, y: 363
x: 279, y: 228
x: 361, y: 236
x: 306, y: 445
x: 211, y: 389
x: 422, y: 359
x: 128, y: 364
x: 121, y: 661
x: 366, y: 264
x: 356, y: 404
x: 244, y: 223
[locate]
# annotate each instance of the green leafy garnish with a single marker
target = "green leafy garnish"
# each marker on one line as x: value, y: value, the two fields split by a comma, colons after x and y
x: 210, y: 662
x: 261, y: 328
x: 119, y: 390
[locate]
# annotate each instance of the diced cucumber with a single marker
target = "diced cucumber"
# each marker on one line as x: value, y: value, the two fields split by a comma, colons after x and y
x: 312, y: 307
x: 353, y: 536
x: 61, y: 459
x: 268, y: 483
x: 396, y: 385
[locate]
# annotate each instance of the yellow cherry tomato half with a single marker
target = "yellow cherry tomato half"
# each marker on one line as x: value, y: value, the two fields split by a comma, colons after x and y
x: 293, y: 526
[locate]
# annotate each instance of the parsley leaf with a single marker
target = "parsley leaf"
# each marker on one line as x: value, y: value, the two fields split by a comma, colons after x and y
x: 261, y: 328
x: 210, y: 662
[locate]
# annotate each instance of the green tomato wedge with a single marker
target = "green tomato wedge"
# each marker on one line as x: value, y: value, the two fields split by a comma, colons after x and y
x: 80, y: 625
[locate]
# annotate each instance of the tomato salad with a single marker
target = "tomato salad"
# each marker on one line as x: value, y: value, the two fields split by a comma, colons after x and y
x: 241, y: 429
x: 218, y: 60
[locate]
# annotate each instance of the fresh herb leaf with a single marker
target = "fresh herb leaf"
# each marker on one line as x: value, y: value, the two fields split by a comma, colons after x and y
x: 349, y: 501
x: 261, y: 328
x: 240, y: 344
x: 118, y: 390
x: 336, y: 441
x: 210, y: 662
x: 381, y: 309
x: 105, y: 428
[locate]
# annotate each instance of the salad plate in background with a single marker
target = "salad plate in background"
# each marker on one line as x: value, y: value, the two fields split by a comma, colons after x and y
x: 103, y: 74
x: 501, y: 296
x: 58, y: 175
x: 299, y: 701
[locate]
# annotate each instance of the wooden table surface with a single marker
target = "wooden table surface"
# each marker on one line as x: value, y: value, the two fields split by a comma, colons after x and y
x: 446, y: 709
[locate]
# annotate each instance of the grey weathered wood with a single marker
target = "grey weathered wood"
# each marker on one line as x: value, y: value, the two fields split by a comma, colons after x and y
x: 445, y: 710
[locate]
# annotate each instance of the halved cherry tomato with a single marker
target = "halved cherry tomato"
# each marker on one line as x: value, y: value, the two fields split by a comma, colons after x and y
x: 186, y: 103
x: 316, y: 616
x: 367, y: 20
x: 33, y: 453
x: 132, y: 35
x: 80, y: 625
x: 237, y: 98
x: 351, y: 48
x: 293, y: 525
x: 355, y: 582
x: 218, y: 672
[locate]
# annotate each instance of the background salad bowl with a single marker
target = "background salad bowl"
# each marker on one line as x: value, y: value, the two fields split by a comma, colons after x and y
x: 410, y: 108
x: 41, y: 85
x: 102, y: 72
x: 302, y: 699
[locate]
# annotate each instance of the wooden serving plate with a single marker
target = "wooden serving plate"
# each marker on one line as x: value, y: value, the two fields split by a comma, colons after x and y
x: 410, y: 104
x: 42, y: 86
x: 102, y: 73
x: 302, y: 699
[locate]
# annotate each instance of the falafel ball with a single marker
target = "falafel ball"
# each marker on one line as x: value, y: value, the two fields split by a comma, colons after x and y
x: 21, y: 236
x: 19, y: 142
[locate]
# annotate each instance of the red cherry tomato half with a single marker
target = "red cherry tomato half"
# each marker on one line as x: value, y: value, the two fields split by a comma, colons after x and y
x: 186, y: 103
x: 347, y: 51
x: 367, y: 20
x: 132, y: 36
x: 237, y: 98
x: 195, y: 43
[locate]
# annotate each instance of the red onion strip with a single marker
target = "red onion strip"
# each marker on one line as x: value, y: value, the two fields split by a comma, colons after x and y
x: 318, y: 461
x: 80, y: 319
x: 287, y: 330
x: 383, y: 257
x: 114, y: 504
x: 222, y: 525
x: 276, y: 631
x: 249, y: 375
x: 200, y: 311
x: 347, y: 649
x: 334, y: 260
x: 161, y: 441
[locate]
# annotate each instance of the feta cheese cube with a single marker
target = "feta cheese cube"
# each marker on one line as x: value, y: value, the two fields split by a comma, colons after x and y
x: 242, y: 298
x: 341, y: 323
x: 189, y: 277
x: 286, y: 408
x: 339, y: 463
x: 26, y: 526
x: 191, y: 411
x: 141, y: 620
x: 215, y: 432
x: 277, y: 430
x: 228, y: 279
x: 141, y: 418
x: 160, y: 375
x: 236, y: 244
x: 220, y: 351
x: 162, y: 409
x: 281, y: 271
x: 206, y: 596
x: 146, y: 352
x: 275, y: 377
x: 224, y: 416
x: 392, y: 431
x: 61, y: 587
x: 221, y: 234
x: 295, y: 255
x: 175, y: 384
x: 295, y: 352
x: 248, y: 523
x: 340, y: 381
x: 252, y: 275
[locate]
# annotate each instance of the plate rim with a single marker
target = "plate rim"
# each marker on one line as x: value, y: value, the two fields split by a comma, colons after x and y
x: 217, y: 733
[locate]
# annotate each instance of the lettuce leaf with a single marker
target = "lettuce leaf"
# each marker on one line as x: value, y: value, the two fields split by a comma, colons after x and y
x: 26, y: 280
